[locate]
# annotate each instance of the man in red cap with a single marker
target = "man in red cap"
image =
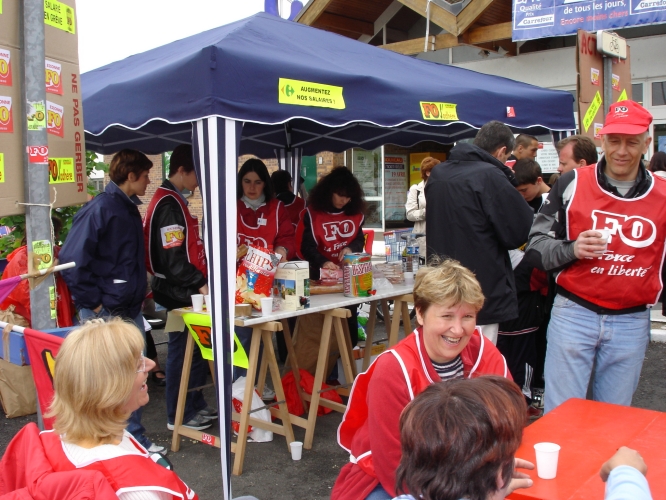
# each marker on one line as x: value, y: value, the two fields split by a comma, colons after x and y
x: 602, y: 234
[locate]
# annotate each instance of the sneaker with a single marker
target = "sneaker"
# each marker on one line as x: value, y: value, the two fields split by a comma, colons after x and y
x: 268, y: 393
x: 156, y: 448
x: 208, y: 413
x: 198, y: 423
x: 534, y: 413
x: 537, y: 398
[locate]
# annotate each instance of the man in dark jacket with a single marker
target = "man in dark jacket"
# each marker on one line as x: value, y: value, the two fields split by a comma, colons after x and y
x: 475, y: 215
x: 175, y: 256
x: 106, y: 242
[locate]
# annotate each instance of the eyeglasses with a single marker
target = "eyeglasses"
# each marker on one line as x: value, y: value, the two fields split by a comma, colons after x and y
x: 143, y: 366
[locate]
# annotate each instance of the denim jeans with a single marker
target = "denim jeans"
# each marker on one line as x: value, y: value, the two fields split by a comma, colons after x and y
x: 174, y: 368
x: 244, y: 334
x: 379, y: 493
x: 577, y: 338
x: 134, y: 426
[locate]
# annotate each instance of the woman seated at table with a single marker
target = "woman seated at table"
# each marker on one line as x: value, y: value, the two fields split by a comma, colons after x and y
x: 332, y: 226
x: 99, y: 380
x: 459, y: 439
x: 262, y: 219
x: 447, y: 345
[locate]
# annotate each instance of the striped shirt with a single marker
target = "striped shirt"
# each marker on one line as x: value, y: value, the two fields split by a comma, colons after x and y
x: 451, y: 370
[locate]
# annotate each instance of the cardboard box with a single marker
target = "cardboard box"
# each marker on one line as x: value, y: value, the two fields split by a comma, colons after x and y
x: 58, y: 43
x: 67, y: 172
x: 18, y: 352
x: 293, y: 282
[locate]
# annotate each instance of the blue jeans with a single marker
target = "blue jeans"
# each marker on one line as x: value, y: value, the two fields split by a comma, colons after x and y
x: 578, y: 338
x: 379, y: 493
x: 244, y: 334
x: 134, y: 426
x: 174, y: 368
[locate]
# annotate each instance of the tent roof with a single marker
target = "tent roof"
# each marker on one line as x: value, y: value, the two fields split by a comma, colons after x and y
x: 147, y: 100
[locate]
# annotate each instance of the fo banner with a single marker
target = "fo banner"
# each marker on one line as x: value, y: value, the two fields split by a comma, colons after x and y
x: 544, y: 18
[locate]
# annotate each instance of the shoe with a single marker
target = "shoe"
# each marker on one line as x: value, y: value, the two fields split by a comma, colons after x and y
x: 268, y: 393
x: 158, y: 381
x: 537, y: 398
x: 156, y: 448
x: 534, y: 413
x: 208, y: 413
x: 198, y: 423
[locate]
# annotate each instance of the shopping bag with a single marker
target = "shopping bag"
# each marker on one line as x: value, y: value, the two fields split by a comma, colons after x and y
x: 237, y: 394
x: 294, y: 404
x: 17, y: 390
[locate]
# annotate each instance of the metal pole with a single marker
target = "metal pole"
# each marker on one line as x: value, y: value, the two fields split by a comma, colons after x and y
x: 38, y: 213
x: 608, y: 83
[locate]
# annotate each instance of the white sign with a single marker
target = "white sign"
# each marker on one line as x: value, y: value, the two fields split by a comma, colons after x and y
x: 547, y: 158
x: 611, y: 45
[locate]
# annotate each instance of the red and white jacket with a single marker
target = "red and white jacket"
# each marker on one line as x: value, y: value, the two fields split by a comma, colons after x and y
x: 36, y: 466
x: 370, y: 427
x: 269, y: 226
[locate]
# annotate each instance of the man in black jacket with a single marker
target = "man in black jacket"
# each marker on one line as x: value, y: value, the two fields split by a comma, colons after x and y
x: 175, y: 256
x: 475, y: 215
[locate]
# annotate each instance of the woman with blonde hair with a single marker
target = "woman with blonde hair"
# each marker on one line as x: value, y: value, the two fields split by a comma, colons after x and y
x: 446, y: 345
x: 99, y: 380
x: 416, y: 202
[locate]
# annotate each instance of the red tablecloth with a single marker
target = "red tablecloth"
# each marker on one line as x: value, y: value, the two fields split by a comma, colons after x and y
x: 589, y: 434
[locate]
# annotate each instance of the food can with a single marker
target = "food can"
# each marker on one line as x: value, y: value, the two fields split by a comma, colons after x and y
x: 357, y: 274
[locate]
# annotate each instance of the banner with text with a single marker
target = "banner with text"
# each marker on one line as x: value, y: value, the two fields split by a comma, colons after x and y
x: 545, y: 18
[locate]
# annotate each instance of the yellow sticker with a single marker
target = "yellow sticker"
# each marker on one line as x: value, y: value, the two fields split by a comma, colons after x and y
x: 592, y: 111
x: 439, y: 110
x: 303, y: 93
x: 43, y: 251
x: 52, y: 299
x: 623, y: 96
x: 59, y: 15
x: 2, y: 165
x: 36, y: 115
x: 0, y: 6
x: 61, y: 170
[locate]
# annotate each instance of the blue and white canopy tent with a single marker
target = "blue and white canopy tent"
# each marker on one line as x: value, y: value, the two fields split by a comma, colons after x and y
x: 267, y: 86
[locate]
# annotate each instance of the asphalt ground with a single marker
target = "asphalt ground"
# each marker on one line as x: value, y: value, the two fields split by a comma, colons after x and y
x: 269, y: 472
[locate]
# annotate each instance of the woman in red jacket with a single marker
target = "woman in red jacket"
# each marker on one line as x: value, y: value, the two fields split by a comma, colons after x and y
x: 262, y: 219
x: 447, y: 345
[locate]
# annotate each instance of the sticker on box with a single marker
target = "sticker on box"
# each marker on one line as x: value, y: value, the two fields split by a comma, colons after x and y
x: 2, y: 167
x: 61, y: 170
x: 55, y: 123
x: 6, y: 122
x: 36, y: 115
x: 53, y: 77
x: 5, y: 67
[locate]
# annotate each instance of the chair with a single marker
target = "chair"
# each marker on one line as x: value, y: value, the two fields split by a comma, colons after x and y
x: 42, y: 350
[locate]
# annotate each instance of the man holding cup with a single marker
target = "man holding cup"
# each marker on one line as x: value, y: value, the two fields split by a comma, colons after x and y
x: 176, y: 258
x: 602, y: 234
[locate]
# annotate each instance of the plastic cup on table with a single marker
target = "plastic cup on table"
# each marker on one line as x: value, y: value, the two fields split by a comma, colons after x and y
x: 546, y: 458
x: 409, y: 278
x: 266, y: 306
x: 209, y: 304
x: 296, y: 450
x: 197, y: 302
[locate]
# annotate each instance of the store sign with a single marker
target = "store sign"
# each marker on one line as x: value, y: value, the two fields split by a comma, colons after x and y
x: 546, y: 18
x: 395, y: 187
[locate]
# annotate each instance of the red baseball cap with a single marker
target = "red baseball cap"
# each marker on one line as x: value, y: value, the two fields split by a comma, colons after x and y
x: 626, y: 117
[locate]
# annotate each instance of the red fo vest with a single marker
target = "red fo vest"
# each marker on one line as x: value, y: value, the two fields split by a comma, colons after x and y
x: 260, y: 227
x: 629, y: 273
x: 196, y: 254
x: 294, y: 210
x: 479, y: 357
x: 125, y: 473
x: 332, y: 232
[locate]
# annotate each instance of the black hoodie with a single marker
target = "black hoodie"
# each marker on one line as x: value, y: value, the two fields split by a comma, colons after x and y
x: 475, y: 215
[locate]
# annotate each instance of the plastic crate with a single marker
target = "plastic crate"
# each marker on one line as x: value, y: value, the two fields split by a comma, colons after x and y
x: 395, y: 244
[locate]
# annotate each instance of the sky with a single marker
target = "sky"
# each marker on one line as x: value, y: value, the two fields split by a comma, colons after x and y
x: 110, y: 31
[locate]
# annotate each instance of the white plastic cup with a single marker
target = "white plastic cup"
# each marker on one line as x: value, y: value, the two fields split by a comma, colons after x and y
x: 207, y: 301
x: 197, y: 302
x: 546, y: 458
x: 296, y: 450
x: 605, y: 235
x: 409, y: 278
x: 266, y: 306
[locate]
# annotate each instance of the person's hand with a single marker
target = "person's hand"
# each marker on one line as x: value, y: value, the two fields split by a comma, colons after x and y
x: 330, y: 265
x: 98, y: 309
x: 204, y: 290
x: 282, y: 252
x: 623, y: 456
x: 520, y: 479
x: 589, y: 244
x: 343, y: 252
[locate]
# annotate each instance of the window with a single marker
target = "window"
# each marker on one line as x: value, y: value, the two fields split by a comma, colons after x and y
x: 637, y: 93
x: 367, y: 168
x: 659, y: 93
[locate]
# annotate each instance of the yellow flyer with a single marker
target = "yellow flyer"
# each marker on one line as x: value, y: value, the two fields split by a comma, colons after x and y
x: 2, y: 167
x: 44, y: 252
x: 439, y: 111
x: 303, y: 93
x: 59, y: 15
x: 52, y: 297
x: 61, y: 170
x: 592, y: 111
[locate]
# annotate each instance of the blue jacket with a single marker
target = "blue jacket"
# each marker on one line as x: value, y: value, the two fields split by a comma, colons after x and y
x: 106, y: 242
